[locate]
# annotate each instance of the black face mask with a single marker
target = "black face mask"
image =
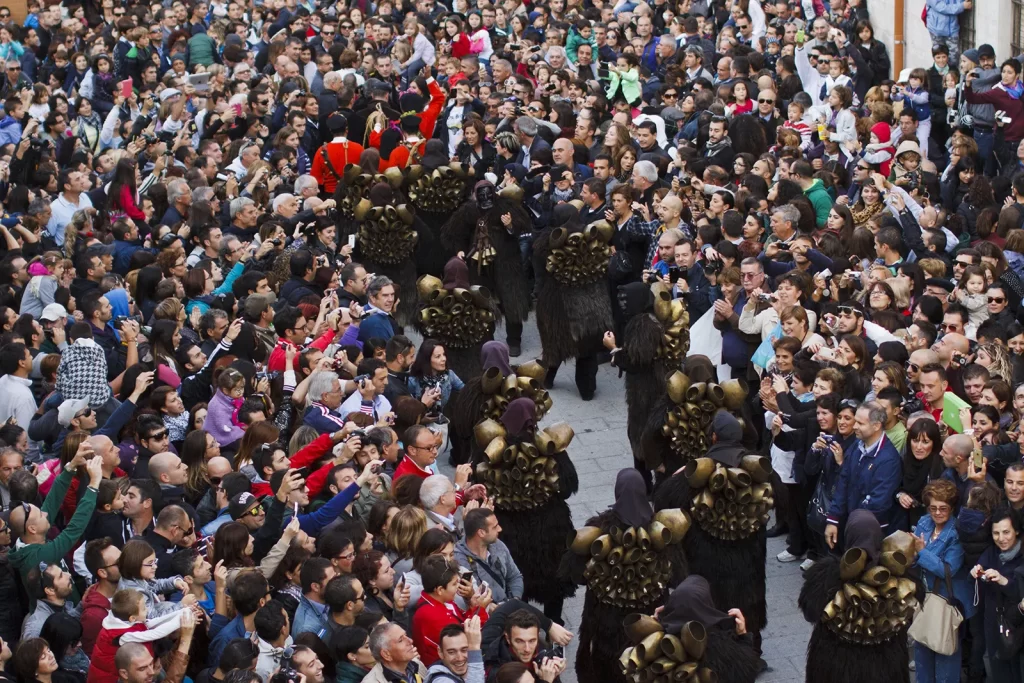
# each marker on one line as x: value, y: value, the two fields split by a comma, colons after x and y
x: 485, y: 197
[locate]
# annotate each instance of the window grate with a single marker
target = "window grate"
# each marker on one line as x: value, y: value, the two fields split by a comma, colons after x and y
x: 1017, y: 41
x: 967, y: 34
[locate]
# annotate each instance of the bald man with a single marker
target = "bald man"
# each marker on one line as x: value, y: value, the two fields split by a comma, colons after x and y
x: 171, y: 474
x: 31, y: 523
x: 563, y: 152
x: 215, y: 500
x: 104, y: 448
x: 951, y: 344
x: 919, y: 359
x: 172, y: 531
x: 957, y: 452
x: 134, y: 664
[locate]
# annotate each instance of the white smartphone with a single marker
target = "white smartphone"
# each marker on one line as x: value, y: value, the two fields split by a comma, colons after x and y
x: 352, y: 241
x: 826, y: 273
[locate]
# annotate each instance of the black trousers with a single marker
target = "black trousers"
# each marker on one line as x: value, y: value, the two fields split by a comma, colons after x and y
x: 796, y: 516
x: 586, y: 374
x: 513, y: 332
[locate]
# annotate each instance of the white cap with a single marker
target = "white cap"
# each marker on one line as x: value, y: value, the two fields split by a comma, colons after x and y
x: 53, y: 312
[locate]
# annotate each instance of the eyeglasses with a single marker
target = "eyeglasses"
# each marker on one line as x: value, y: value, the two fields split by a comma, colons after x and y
x: 215, y: 482
x: 958, y: 262
x: 118, y: 14
x: 433, y: 448
x: 938, y: 508
x: 347, y: 556
x: 996, y: 299
x: 849, y: 403
x: 766, y: 100
x: 533, y: 109
x: 28, y: 511
x: 750, y: 276
x: 149, y: 564
x: 256, y: 511
x: 813, y: 55
x: 158, y: 436
x: 14, y: 68
x: 346, y: 27
x: 913, y: 367
x: 849, y: 310
x: 743, y: 27
x: 327, y: 33
x: 670, y: 95
x: 86, y: 413
x: 950, y: 327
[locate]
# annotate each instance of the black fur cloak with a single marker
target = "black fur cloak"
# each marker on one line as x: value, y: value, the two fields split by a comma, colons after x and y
x: 735, y: 570
x: 571, y: 320
x: 833, y: 659
x: 504, y: 276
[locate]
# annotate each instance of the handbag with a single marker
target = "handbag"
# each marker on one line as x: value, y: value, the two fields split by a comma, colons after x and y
x: 821, y: 501
x: 1009, y: 638
x: 937, y: 623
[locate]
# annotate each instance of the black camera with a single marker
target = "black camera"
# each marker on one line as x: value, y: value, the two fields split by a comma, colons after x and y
x: 277, y: 241
x: 120, y: 320
x: 912, y: 404
x: 554, y: 651
x: 713, y: 267
x: 285, y: 674
x: 167, y: 240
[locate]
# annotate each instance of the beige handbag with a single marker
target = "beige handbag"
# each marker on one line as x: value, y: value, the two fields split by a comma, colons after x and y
x: 936, y: 625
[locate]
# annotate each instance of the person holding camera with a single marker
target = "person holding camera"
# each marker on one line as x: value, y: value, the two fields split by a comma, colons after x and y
x: 437, y: 608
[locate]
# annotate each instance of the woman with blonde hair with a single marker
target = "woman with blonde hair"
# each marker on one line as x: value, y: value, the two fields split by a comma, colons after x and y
x: 615, y: 140
x: 404, y: 532
x: 996, y: 360
x: 796, y: 324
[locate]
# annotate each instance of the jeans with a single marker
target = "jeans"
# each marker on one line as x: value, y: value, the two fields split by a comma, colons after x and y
x: 986, y: 140
x: 935, y: 668
x: 410, y: 72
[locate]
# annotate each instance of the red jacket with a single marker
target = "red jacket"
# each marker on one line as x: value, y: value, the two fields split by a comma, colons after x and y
x: 277, y: 357
x: 340, y: 154
x: 431, y: 616
x: 101, y: 662
x: 307, y: 456
x: 95, y: 606
x: 399, y: 157
x: 407, y: 466
x: 71, y: 499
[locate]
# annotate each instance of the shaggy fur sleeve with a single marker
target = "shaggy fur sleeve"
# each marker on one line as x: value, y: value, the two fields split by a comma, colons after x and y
x: 568, y: 479
x: 642, y: 337
x: 458, y: 231
x: 820, y: 585
x: 733, y: 659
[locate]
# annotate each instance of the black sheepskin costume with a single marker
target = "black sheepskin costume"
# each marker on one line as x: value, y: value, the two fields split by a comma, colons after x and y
x: 735, y: 570
x: 601, y: 635
x: 831, y: 659
x: 732, y: 657
x: 646, y: 375
x: 504, y: 276
x: 571, y: 320
x: 536, y: 537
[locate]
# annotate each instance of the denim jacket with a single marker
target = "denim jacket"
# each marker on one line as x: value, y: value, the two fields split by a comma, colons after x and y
x: 946, y: 548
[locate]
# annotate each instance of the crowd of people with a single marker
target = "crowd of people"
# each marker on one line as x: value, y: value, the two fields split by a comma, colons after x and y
x: 255, y: 258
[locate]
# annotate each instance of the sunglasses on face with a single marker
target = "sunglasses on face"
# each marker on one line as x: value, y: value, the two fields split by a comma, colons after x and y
x: 949, y: 327
x: 996, y: 300
x: 158, y: 436
x: 962, y: 264
x: 766, y: 101
x: 847, y: 310
x: 256, y: 511
x: 913, y: 367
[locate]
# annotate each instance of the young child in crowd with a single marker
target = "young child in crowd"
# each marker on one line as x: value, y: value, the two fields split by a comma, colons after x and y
x: 970, y: 292
x: 127, y: 623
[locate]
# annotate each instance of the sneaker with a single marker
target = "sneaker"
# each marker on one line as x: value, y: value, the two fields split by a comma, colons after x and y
x: 786, y: 556
x: 806, y: 564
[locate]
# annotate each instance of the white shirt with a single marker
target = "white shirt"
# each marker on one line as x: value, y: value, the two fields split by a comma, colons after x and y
x: 62, y: 212
x: 16, y: 400
x: 454, y: 123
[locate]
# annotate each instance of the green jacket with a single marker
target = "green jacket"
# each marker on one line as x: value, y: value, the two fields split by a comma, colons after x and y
x: 350, y: 673
x: 821, y: 201
x: 28, y: 556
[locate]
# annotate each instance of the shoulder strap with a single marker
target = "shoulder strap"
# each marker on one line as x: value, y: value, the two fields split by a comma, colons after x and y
x: 327, y: 160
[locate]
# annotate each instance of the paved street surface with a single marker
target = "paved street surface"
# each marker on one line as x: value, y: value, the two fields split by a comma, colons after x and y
x: 599, y: 450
